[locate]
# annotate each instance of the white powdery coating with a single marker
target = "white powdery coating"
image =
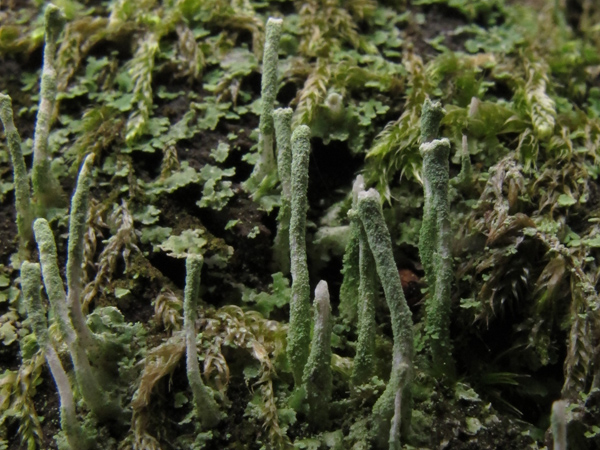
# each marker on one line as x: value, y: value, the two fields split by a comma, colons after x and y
x: 559, y: 424
x: 431, y: 145
x: 357, y: 188
x: 322, y: 301
x: 371, y: 193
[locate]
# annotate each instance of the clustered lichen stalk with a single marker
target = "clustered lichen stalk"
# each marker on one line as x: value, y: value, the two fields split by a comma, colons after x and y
x: 349, y: 291
x: 44, y: 185
x: 364, y: 359
x: 317, y: 379
x: 75, y: 249
x: 266, y: 163
x: 465, y: 177
x: 82, y: 344
x: 435, y: 239
x: 437, y: 320
x: 88, y: 382
x: 31, y: 283
x: 21, y: 179
x: 283, y: 133
x: 558, y: 422
x: 396, y: 391
x: 431, y: 116
x: 299, y: 333
x: 207, y: 409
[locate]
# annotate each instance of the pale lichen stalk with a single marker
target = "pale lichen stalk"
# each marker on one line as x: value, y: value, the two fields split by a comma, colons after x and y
x: 21, y: 179
x: 380, y: 243
x: 317, y: 379
x: 432, y: 114
x: 75, y: 247
x: 31, y: 284
x: 266, y: 163
x: 92, y: 391
x: 437, y: 320
x: 299, y: 333
x: 350, y: 264
x: 207, y: 409
x: 44, y: 185
x: 365, y: 346
x: 283, y: 134
x: 558, y: 421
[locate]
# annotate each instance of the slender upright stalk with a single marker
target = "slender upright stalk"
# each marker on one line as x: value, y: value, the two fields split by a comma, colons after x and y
x: 317, y: 379
x: 77, y: 227
x: 93, y: 393
x: 350, y: 264
x: 299, y: 333
x: 21, y: 179
x: 269, y: 91
x: 465, y: 177
x: 437, y: 320
x: 380, y: 243
x: 207, y: 409
x: 45, y: 187
x: 432, y: 115
x: 31, y: 284
x: 283, y: 134
x: 266, y: 162
x: 558, y: 420
x: 367, y: 290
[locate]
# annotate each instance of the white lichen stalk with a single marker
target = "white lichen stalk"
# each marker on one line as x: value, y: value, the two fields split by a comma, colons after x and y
x: 89, y: 384
x: 45, y: 187
x: 558, y: 421
x: 75, y: 248
x: 20, y: 176
x: 367, y: 291
x: 31, y: 283
x: 283, y: 134
x: 206, y: 407
x: 298, y: 341
x: 317, y: 379
x: 380, y: 243
x: 266, y: 163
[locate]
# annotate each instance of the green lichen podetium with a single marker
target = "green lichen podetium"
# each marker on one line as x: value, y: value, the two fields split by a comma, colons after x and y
x: 207, y: 409
x: 558, y: 421
x: 45, y: 187
x: 364, y: 360
x: 283, y: 135
x: 431, y: 116
x: 299, y: 333
x: 31, y: 283
x: 94, y: 395
x: 380, y: 243
x: 75, y: 248
x: 266, y: 163
x: 21, y: 179
x: 317, y: 379
x: 350, y: 264
x: 437, y: 228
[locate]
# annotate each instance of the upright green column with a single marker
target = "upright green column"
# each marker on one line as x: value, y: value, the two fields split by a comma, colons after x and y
x: 45, y: 187
x: 207, y: 409
x: 299, y: 332
x: 380, y: 243
x: 20, y: 176
x: 317, y: 379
